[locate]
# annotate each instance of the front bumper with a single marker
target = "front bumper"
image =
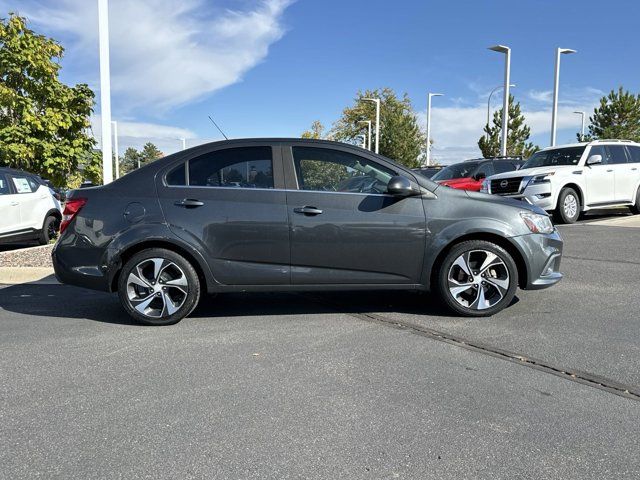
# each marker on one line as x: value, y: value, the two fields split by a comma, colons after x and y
x: 542, y: 255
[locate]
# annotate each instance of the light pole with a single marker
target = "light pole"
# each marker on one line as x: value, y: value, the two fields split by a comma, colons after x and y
x: 184, y: 143
x: 582, y: 114
x: 489, y: 105
x: 368, y: 122
x: 115, y: 147
x: 429, y: 97
x: 554, y: 111
x: 105, y: 90
x: 505, y: 100
x: 377, y: 102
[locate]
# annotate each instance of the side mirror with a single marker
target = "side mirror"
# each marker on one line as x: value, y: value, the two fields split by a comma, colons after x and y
x: 400, y: 186
x: 594, y: 160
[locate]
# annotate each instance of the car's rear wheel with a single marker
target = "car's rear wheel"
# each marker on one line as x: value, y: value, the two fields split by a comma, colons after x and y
x: 50, y: 229
x: 568, y: 208
x: 158, y: 287
x: 635, y: 208
x: 477, y: 278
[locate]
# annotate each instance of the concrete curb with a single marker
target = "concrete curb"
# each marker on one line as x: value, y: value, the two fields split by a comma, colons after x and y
x: 16, y: 275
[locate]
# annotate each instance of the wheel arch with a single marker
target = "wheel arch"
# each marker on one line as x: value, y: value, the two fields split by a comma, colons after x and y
x: 204, y: 275
x: 578, y: 189
x: 504, y: 242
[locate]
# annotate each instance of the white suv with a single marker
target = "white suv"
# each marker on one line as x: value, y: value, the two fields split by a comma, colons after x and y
x: 29, y: 209
x: 572, y: 179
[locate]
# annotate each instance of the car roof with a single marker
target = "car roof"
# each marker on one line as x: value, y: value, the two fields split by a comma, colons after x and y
x: 15, y: 170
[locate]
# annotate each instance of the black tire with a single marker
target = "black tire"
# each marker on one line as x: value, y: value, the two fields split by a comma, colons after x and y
x: 505, y: 271
x: 50, y: 230
x: 568, y: 208
x: 635, y: 208
x: 174, y: 269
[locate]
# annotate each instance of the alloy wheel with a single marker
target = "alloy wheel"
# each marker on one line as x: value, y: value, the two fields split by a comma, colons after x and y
x: 478, y: 279
x: 157, y: 287
x: 570, y: 206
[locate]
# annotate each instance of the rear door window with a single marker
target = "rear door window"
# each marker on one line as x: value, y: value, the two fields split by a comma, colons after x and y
x: 617, y: 154
x: 23, y: 184
x: 634, y: 154
x: 242, y: 167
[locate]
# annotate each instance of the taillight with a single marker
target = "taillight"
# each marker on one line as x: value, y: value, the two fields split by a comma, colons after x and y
x: 71, y: 209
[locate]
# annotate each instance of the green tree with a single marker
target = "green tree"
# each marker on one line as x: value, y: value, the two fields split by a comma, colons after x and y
x: 150, y: 153
x: 517, y: 138
x: 400, y: 136
x: 618, y: 116
x: 316, y: 131
x: 44, y: 124
x: 130, y: 160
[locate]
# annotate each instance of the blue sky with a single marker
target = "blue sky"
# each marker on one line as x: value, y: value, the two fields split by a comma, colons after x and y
x: 271, y: 67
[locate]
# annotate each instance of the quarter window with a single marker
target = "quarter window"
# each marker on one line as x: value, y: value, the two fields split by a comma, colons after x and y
x: 327, y: 170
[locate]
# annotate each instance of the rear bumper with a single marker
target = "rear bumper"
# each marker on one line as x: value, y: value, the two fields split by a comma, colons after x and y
x: 542, y: 255
x: 80, y: 267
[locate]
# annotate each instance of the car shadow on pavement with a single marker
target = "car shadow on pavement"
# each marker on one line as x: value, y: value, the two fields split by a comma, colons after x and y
x: 63, y: 301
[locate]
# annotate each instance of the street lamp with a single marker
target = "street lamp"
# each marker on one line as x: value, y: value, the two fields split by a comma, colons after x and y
x: 554, y: 111
x: 368, y: 122
x: 184, y: 143
x: 489, y: 105
x: 115, y: 147
x: 377, y: 102
x: 429, y: 96
x: 505, y: 100
x: 105, y: 90
x: 364, y: 139
x: 582, y: 114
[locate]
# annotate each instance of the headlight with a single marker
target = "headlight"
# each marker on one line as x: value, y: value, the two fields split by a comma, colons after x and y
x: 538, y: 179
x: 485, y: 186
x: 537, y: 223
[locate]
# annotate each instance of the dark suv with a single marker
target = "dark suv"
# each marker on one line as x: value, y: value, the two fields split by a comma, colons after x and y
x: 292, y: 215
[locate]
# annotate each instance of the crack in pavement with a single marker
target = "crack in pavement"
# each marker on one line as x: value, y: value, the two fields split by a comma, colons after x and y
x: 602, y: 383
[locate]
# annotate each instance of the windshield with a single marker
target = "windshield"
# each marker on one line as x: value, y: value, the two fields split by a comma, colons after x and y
x: 555, y: 157
x: 459, y: 170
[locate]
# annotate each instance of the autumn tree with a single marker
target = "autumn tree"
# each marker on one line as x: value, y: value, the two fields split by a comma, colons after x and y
x: 400, y: 136
x: 44, y: 124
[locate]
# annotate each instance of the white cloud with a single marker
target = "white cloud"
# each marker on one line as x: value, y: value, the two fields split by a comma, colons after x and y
x: 136, y: 134
x: 166, y: 53
x: 456, y: 130
x: 545, y: 96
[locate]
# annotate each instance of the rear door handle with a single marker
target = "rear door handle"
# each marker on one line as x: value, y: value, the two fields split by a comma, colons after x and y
x: 610, y: 170
x: 189, y: 203
x: 634, y: 169
x: 308, y: 210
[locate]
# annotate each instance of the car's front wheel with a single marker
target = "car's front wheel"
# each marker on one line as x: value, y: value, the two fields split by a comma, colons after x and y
x: 158, y: 287
x: 568, y: 207
x: 477, y: 278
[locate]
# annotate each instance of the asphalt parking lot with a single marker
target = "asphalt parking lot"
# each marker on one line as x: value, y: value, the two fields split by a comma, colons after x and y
x: 349, y: 385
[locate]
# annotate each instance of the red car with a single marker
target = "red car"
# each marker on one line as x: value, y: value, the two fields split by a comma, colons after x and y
x: 468, y: 175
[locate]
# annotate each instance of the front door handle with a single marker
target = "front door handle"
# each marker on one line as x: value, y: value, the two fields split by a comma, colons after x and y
x: 14, y: 204
x: 308, y: 210
x: 610, y: 170
x: 189, y: 203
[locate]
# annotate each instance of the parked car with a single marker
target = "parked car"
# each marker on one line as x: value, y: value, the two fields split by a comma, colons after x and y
x: 196, y: 221
x: 468, y: 175
x: 573, y: 179
x: 29, y: 208
x: 428, y: 172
